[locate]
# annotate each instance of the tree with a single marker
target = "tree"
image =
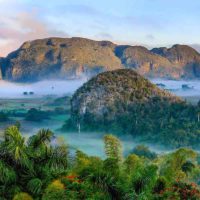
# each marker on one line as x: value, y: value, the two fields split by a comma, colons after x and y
x: 55, y: 190
x: 36, y: 115
x: 175, y: 164
x: 113, y: 147
x: 132, y: 162
x: 22, y: 196
x: 144, y: 151
x: 13, y: 149
x: 33, y: 164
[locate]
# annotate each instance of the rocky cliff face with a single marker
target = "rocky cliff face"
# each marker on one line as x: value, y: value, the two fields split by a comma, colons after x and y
x: 178, y: 54
x: 2, y: 60
x: 146, y: 62
x: 67, y: 58
x: 185, y: 58
x: 60, y: 58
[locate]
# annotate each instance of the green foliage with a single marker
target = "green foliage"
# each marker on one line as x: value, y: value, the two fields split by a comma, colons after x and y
x: 8, y: 174
x: 187, y: 167
x: 143, y: 151
x: 54, y: 191
x: 14, y: 146
x: 37, y: 169
x: 132, y: 163
x: 172, y: 165
x: 144, y: 180
x: 132, y: 105
x: 34, y: 186
x: 160, y: 185
x: 22, y: 196
x: 113, y: 147
x: 29, y: 166
x: 36, y: 115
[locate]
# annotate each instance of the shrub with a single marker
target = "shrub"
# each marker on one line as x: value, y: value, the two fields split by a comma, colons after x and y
x: 36, y: 115
x: 143, y: 151
x: 22, y: 196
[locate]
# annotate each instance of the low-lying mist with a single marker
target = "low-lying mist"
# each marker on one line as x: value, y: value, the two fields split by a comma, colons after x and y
x: 52, y: 87
x: 63, y: 87
x: 181, y: 88
x: 90, y: 143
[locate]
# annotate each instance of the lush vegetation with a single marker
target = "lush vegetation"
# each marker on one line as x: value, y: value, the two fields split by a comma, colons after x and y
x: 36, y: 115
x: 144, y: 151
x: 41, y: 167
x: 34, y: 110
x: 172, y: 124
x: 123, y: 102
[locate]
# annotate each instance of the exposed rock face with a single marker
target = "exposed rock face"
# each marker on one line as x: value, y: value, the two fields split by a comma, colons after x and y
x: 66, y: 58
x: 146, y: 62
x: 2, y: 60
x: 178, y: 54
x: 107, y: 93
x: 185, y: 58
x: 60, y: 58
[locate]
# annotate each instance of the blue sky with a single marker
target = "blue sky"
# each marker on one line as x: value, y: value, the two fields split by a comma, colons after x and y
x: 136, y: 22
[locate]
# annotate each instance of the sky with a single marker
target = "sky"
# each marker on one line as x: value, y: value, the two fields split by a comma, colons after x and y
x: 151, y: 23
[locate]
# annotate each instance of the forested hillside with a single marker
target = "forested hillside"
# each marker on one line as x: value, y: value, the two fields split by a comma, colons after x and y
x: 123, y: 102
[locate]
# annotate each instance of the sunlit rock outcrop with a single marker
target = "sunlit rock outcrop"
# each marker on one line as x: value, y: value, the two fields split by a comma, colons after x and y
x: 70, y: 58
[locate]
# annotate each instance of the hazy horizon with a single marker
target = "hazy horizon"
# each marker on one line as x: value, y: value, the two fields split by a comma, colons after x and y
x: 148, y: 23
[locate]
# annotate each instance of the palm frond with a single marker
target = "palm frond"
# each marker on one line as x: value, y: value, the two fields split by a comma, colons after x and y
x: 35, y: 186
x: 7, y: 174
x: 43, y: 137
x: 58, y: 157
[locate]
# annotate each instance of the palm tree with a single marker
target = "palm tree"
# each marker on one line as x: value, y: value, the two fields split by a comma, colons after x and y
x: 13, y: 149
x: 29, y: 166
x: 49, y: 161
x: 41, y: 139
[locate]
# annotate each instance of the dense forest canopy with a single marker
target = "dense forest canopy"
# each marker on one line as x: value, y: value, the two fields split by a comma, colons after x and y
x: 42, y: 167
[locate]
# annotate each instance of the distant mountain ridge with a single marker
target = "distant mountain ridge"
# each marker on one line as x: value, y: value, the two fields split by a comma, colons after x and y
x: 69, y: 58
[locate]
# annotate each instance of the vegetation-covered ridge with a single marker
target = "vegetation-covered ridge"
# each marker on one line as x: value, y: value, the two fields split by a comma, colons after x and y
x: 41, y: 167
x: 124, y: 102
x: 66, y: 58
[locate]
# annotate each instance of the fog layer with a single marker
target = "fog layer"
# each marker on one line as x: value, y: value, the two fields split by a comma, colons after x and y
x: 59, y: 88
x: 90, y: 143
x: 176, y: 87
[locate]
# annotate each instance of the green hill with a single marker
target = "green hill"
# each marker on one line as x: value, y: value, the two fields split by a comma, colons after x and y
x: 123, y: 102
x: 105, y: 94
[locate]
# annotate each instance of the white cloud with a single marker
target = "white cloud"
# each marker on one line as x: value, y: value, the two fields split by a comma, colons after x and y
x: 25, y: 26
